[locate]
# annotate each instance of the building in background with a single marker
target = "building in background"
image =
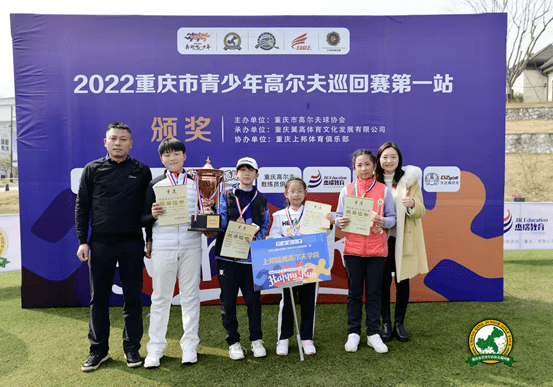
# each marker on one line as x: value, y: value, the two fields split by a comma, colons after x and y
x: 8, y: 136
x: 535, y: 84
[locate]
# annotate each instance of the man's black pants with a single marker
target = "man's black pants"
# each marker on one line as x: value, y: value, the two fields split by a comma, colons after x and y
x: 103, y: 259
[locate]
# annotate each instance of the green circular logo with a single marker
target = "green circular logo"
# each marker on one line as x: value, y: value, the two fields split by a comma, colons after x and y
x: 490, y: 341
x: 3, y: 242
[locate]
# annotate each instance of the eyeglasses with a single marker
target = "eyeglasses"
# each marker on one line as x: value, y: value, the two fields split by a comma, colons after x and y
x: 295, y: 192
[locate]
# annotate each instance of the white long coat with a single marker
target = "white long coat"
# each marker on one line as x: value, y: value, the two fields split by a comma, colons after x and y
x: 410, y: 248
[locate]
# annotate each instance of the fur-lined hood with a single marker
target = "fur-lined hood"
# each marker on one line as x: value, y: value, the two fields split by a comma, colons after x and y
x: 412, y: 175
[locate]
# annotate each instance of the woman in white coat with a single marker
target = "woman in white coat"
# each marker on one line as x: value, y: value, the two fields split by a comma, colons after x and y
x: 406, y: 250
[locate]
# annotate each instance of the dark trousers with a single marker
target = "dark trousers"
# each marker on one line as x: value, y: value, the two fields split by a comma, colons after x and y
x: 104, y: 257
x: 233, y: 277
x: 402, y: 287
x: 307, y: 296
x: 364, y: 273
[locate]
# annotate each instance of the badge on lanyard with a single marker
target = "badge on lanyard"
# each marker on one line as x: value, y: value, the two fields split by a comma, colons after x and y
x: 290, y: 232
x: 241, y: 210
x: 294, y: 224
x: 380, y: 203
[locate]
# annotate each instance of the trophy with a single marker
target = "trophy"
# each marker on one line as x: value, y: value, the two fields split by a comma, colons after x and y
x: 209, y: 184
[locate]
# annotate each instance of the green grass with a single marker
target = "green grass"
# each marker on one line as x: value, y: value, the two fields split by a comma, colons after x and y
x: 46, y: 347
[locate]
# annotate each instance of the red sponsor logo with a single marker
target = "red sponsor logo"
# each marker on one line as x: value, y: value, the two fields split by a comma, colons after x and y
x: 299, y: 43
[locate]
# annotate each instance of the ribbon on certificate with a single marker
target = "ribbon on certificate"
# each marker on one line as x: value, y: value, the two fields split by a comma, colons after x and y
x: 240, y: 210
x: 295, y: 225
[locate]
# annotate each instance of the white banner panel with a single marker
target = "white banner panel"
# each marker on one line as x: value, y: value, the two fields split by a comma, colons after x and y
x: 10, y: 243
x: 528, y: 226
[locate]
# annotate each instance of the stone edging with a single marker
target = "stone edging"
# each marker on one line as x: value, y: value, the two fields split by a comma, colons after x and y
x: 529, y: 143
x: 529, y: 113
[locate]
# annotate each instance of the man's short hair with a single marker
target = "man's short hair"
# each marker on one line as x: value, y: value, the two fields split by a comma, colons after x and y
x: 119, y: 125
x: 171, y: 144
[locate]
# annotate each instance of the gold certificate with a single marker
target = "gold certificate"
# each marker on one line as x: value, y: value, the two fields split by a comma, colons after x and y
x: 313, y: 217
x: 237, y: 240
x: 360, y: 213
x: 174, y: 200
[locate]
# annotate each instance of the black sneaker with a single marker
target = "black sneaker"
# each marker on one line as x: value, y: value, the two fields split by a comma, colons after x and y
x: 94, y: 360
x: 133, y: 359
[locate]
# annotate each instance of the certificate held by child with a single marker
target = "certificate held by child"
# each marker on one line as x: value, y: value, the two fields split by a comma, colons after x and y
x: 174, y: 201
x: 237, y: 239
x: 359, y: 211
x: 313, y: 219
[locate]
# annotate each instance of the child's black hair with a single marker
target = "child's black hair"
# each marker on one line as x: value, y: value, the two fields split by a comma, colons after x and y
x: 361, y: 152
x: 290, y: 180
x: 171, y: 144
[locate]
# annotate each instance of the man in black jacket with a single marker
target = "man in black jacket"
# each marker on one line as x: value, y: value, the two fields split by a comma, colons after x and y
x: 110, y: 198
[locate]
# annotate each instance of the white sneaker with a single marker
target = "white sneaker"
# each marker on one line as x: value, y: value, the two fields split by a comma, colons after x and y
x: 353, y: 342
x: 282, y: 347
x: 152, y: 360
x: 376, y: 342
x: 236, y: 351
x: 189, y: 357
x: 308, y: 347
x: 258, y: 348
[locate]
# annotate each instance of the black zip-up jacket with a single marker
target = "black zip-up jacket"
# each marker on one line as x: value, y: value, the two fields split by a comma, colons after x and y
x: 111, y: 196
x: 258, y: 208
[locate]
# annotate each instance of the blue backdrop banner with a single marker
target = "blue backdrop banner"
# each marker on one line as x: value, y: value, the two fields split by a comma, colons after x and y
x: 298, y: 93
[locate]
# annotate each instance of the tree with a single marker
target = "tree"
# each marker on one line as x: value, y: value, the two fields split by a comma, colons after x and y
x: 527, y: 21
x: 5, y: 165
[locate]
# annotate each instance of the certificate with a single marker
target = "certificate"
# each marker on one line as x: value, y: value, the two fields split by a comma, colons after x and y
x: 359, y: 211
x: 287, y: 261
x: 313, y: 216
x: 174, y: 200
x: 236, y: 243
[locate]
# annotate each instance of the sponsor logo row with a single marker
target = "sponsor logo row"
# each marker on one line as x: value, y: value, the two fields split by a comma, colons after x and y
x: 263, y: 41
x: 333, y: 179
x: 319, y: 179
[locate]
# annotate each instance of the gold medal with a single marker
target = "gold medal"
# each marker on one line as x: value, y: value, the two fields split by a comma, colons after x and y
x: 377, y: 230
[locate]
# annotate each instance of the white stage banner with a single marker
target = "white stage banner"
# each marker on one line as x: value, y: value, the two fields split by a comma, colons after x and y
x: 10, y: 243
x: 528, y: 226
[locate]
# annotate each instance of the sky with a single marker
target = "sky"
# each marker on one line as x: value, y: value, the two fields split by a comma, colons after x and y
x: 213, y: 8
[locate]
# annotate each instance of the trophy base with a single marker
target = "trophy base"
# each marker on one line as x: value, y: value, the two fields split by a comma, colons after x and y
x: 205, y: 222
